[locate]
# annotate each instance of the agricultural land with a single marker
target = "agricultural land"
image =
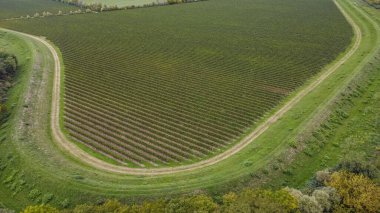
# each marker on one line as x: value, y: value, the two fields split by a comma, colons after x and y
x: 201, y: 99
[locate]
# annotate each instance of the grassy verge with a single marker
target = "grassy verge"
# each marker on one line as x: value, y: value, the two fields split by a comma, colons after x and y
x: 345, y: 128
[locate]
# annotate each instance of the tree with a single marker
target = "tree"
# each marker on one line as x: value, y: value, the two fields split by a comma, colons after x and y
x: 229, y: 198
x: 357, y: 191
x: 321, y: 177
x: 8, y: 65
x: 257, y: 200
x: 327, y: 197
x: 308, y: 204
x: 198, y: 203
x: 358, y: 166
x: 155, y: 206
x: 174, y: 1
x: 41, y: 209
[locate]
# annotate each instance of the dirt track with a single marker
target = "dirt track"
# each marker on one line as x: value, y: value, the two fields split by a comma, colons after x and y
x: 60, y: 138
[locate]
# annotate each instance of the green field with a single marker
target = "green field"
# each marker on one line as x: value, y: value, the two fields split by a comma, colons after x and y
x: 123, y: 3
x: 30, y: 160
x: 17, y: 8
x: 157, y: 93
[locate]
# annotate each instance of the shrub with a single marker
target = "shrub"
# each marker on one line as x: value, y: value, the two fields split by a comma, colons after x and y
x: 47, y: 198
x: 357, y: 191
x: 174, y: 1
x: 65, y: 203
x: 40, y: 209
x: 198, y: 203
x: 327, y: 198
x: 309, y: 204
x: 229, y: 198
x: 358, y: 167
x: 256, y: 200
x: 321, y: 177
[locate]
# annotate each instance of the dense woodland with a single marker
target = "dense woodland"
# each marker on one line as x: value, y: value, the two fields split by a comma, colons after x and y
x: 349, y: 187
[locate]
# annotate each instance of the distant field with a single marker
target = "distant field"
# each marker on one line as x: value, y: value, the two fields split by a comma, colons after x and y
x: 17, y: 8
x: 122, y: 3
x: 180, y: 83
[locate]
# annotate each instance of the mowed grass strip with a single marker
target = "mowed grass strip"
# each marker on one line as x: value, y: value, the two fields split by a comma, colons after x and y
x: 152, y: 85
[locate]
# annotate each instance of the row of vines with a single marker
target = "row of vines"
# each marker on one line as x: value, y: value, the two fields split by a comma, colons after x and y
x: 173, y: 85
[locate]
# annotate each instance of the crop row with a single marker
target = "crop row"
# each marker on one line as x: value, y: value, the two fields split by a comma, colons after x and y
x: 145, y: 88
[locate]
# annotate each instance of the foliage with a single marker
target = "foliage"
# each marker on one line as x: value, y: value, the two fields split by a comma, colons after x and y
x: 198, y: 203
x: 341, y: 191
x: 345, y: 192
x: 309, y: 204
x: 327, y: 198
x: 8, y: 67
x: 40, y: 209
x: 376, y: 2
x: 257, y: 200
x: 246, y: 201
x: 357, y: 191
x: 174, y: 1
x: 229, y: 198
x: 306, y: 203
x: 358, y: 166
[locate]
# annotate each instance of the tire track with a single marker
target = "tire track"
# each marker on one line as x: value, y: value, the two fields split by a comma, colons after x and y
x: 74, y: 150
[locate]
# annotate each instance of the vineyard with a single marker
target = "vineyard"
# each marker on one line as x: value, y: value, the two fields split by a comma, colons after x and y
x: 173, y: 85
x: 123, y: 3
x: 17, y: 8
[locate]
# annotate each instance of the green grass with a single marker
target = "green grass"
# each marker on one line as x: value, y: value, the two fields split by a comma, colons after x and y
x: 22, y: 50
x: 123, y: 3
x: 17, y: 8
x: 354, y: 136
x: 155, y: 90
x: 50, y: 170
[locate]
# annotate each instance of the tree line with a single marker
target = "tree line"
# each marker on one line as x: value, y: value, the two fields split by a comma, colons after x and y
x: 349, y: 187
x: 98, y: 7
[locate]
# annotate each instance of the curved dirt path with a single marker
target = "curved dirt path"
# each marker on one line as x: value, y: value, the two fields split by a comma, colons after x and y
x: 74, y: 150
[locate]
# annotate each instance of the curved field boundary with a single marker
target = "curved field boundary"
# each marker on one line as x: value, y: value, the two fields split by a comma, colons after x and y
x: 64, y: 143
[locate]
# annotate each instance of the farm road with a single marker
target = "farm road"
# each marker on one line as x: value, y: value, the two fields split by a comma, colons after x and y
x: 74, y: 150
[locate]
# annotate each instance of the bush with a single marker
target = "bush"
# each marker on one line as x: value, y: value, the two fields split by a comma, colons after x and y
x: 256, y: 200
x: 47, y: 198
x: 65, y: 203
x: 8, y: 65
x: 199, y: 203
x: 358, y: 167
x: 40, y: 209
x: 319, y: 179
x: 229, y: 198
x: 357, y: 191
x: 174, y: 1
x: 309, y: 204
